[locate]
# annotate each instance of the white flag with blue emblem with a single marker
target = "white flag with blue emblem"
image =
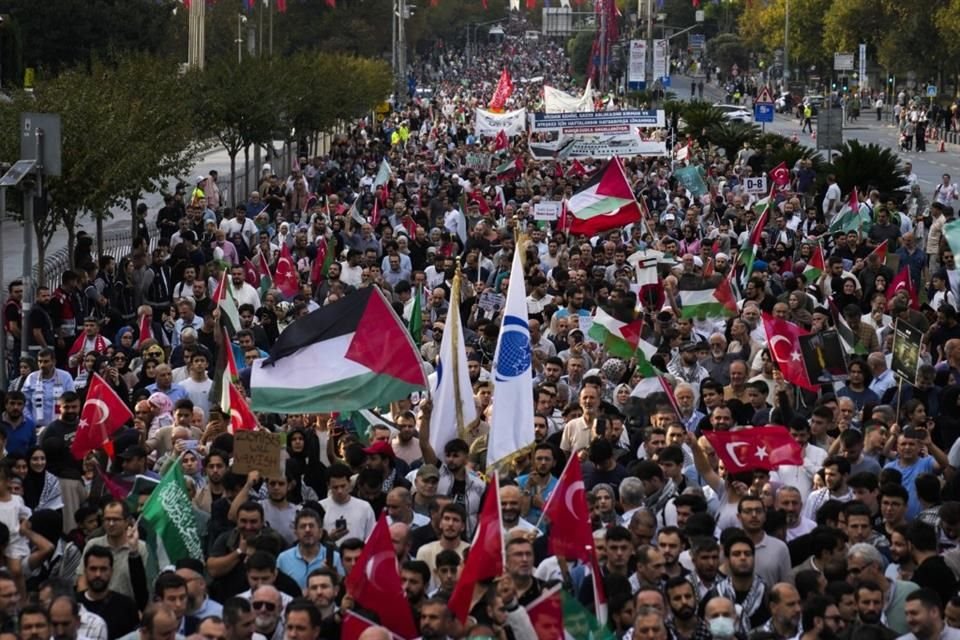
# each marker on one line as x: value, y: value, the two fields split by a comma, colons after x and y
x: 511, y: 426
x: 453, y: 405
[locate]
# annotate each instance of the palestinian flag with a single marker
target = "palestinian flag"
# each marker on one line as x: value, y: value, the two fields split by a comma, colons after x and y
x: 853, y: 216
x: 266, y: 280
x: 725, y: 294
x: 350, y: 355
x: 704, y: 303
x: 751, y: 244
x: 644, y: 355
x: 606, y: 202
x: 816, y: 266
x: 508, y: 167
x: 326, y: 254
x: 362, y: 423
x: 617, y: 337
x: 847, y: 337
x: 223, y: 297
x: 416, y: 317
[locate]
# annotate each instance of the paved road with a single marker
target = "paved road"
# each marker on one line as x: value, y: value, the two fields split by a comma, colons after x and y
x: 928, y: 166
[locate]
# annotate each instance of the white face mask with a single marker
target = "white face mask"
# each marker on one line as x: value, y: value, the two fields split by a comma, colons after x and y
x: 722, y: 627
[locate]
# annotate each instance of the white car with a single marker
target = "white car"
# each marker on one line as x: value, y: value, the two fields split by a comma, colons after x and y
x: 735, y: 113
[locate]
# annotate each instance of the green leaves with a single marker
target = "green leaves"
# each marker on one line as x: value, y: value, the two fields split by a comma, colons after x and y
x: 867, y: 167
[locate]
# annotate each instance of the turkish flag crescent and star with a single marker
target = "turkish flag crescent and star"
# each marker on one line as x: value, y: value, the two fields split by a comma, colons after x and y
x: 780, y: 175
x: 103, y: 413
x: 755, y: 448
x: 783, y: 339
x: 375, y: 582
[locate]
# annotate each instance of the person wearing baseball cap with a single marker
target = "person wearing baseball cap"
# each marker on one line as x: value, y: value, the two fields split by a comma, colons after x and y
x: 381, y: 458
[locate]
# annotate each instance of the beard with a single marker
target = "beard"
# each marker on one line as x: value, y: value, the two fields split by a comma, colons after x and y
x: 870, y: 618
x: 98, y: 585
x: 265, y: 623
x: 684, y: 613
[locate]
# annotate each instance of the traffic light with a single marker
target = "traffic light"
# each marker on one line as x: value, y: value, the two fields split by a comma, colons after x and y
x: 833, y: 85
x: 890, y: 80
x: 845, y: 88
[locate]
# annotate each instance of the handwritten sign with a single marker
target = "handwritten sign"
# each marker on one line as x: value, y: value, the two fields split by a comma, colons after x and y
x: 547, y: 210
x: 257, y: 451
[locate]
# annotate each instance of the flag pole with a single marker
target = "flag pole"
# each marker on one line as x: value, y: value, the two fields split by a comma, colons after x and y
x: 454, y: 341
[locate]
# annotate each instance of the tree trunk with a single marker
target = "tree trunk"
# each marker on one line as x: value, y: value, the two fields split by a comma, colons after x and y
x: 100, y: 235
x: 233, y: 177
x: 70, y: 224
x: 246, y: 171
x: 133, y: 218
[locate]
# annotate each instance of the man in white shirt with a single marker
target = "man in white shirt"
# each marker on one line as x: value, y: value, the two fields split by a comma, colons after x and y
x: 351, y: 272
x: 946, y: 192
x: 801, y: 477
x: 345, y: 516
x: 831, y: 200
x: 242, y: 226
x: 242, y: 292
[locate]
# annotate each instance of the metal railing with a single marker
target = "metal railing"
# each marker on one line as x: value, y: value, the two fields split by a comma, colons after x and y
x: 117, y: 244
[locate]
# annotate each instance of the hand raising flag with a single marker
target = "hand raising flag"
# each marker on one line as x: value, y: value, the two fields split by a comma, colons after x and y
x: 103, y: 413
x: 756, y: 448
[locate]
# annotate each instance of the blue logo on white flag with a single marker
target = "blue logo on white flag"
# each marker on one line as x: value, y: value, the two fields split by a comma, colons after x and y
x: 515, y: 356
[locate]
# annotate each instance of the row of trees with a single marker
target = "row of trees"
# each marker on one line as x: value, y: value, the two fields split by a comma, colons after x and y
x: 921, y: 35
x: 135, y: 126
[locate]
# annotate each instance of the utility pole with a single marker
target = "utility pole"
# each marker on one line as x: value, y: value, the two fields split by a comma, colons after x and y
x: 786, y: 45
x: 603, y: 46
x: 649, y: 66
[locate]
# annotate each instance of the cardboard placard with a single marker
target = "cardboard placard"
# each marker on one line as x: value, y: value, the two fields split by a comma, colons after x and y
x: 547, y: 210
x: 478, y: 161
x: 257, y: 451
x: 491, y: 302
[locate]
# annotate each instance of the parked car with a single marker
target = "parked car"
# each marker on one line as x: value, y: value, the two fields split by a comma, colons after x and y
x: 735, y: 113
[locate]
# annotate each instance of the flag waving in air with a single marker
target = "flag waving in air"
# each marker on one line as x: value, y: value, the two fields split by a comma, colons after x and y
x: 755, y: 448
x: 287, y: 278
x: 170, y: 523
x: 375, y: 583
x: 780, y: 175
x: 606, y: 202
x: 783, y: 339
x: 503, y: 91
x: 485, y: 560
x: 903, y: 282
x: 350, y: 355
x: 103, y: 413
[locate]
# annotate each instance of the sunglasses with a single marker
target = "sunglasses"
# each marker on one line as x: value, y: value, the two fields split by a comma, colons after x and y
x: 269, y: 606
x: 155, y: 353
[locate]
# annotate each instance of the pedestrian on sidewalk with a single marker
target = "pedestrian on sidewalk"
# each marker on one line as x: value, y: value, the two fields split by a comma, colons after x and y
x: 878, y: 105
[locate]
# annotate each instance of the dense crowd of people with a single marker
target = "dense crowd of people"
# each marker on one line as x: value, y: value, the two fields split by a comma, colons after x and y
x: 859, y: 542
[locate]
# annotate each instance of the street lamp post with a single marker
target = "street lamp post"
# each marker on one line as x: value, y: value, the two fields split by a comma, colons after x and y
x: 786, y: 45
x: 241, y: 20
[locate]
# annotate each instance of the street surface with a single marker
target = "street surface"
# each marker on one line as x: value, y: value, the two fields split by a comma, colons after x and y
x: 928, y: 166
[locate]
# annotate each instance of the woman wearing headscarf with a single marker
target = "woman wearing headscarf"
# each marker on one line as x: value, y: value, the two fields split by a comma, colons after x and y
x: 41, y: 489
x: 27, y: 365
x: 124, y: 342
x: 162, y: 408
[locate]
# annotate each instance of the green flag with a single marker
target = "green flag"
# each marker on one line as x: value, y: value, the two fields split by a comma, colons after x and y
x: 581, y: 624
x: 170, y: 522
x: 416, y: 317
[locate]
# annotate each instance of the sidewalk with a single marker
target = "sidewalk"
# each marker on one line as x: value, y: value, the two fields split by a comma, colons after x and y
x: 11, y: 230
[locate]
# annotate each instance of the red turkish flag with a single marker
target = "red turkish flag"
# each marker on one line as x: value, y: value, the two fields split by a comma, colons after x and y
x: 316, y: 272
x: 250, y: 274
x: 286, y: 277
x: 780, y: 175
x: 503, y: 91
x: 485, y: 560
x: 576, y: 169
x: 783, y: 339
x: 241, y: 417
x: 546, y: 615
x: 880, y: 251
x: 903, y: 282
x: 755, y: 448
x: 501, y: 141
x: 103, y: 413
x: 375, y: 583
x: 567, y: 511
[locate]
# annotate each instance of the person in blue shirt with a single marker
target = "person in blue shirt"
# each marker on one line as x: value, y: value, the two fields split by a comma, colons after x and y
x: 910, y: 464
x: 18, y: 428
x: 539, y: 483
x: 300, y: 561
